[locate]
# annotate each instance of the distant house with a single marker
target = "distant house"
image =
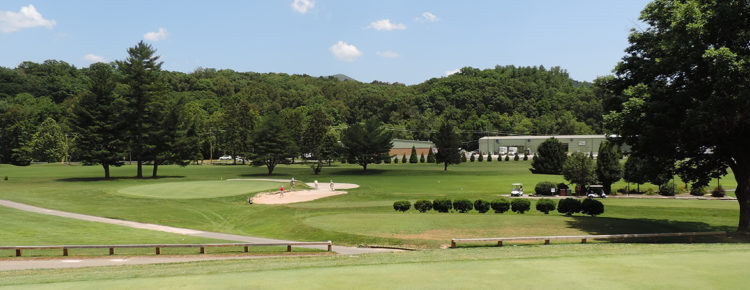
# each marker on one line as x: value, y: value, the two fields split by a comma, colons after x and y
x: 528, y: 144
x: 403, y: 147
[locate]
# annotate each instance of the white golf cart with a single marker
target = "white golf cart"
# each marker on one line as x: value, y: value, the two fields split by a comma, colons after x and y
x: 596, y: 191
x: 516, y: 189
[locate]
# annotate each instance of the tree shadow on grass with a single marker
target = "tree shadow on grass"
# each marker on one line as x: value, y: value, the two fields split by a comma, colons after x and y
x: 89, y: 179
x: 611, y: 226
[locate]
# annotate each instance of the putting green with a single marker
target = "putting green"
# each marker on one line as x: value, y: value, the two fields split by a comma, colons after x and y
x: 199, y: 189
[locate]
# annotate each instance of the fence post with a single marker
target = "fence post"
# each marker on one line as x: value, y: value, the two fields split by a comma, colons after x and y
x: 453, y: 244
x: 65, y: 252
x: 499, y: 243
x: 18, y: 252
x: 288, y: 248
x: 245, y: 249
x: 111, y: 251
x: 583, y: 241
x: 158, y: 251
x: 330, y: 246
x: 203, y: 251
x: 546, y: 242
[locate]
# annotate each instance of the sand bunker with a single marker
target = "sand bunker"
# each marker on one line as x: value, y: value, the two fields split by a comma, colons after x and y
x: 323, y: 190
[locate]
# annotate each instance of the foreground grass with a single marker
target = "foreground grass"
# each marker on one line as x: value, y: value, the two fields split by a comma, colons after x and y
x: 363, y: 216
x: 592, y: 266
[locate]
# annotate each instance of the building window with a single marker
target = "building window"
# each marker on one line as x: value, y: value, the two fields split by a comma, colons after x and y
x: 581, y: 143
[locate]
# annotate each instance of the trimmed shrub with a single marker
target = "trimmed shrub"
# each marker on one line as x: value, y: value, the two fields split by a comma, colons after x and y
x: 421, y: 158
x: 489, y: 157
x: 507, y: 158
x: 562, y: 185
x: 442, y: 205
x: 667, y: 190
x: 472, y: 158
x: 402, y: 205
x: 515, y: 158
x: 545, y: 188
x: 520, y: 205
x: 395, y: 160
x: 525, y: 157
x: 423, y: 205
x: 403, y: 159
x: 545, y: 205
x: 462, y: 205
x: 481, y: 205
x: 480, y: 158
x: 698, y: 190
x: 500, y: 205
x: 499, y: 157
x: 6, y: 178
x: 592, y: 207
x: 718, y: 192
x: 430, y: 156
x: 569, y: 206
x: 387, y: 159
x: 413, y: 157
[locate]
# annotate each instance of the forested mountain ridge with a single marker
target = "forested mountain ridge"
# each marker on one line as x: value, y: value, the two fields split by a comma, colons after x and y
x: 500, y: 100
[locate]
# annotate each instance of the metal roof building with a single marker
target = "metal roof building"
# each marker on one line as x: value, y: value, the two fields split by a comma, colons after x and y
x: 529, y: 144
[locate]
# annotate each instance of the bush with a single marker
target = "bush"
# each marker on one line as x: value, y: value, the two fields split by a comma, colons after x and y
x: 545, y: 188
x: 403, y: 159
x: 592, y: 207
x: 562, y: 185
x: 525, y: 157
x: 423, y: 205
x: 402, y: 205
x: 718, y: 192
x: 387, y: 159
x: 442, y: 205
x: 520, y: 205
x: 462, y: 205
x: 500, y: 205
x: 489, y: 157
x: 545, y: 205
x: 667, y: 189
x: 472, y: 158
x: 463, y: 157
x: 421, y: 158
x: 569, y: 206
x: 481, y: 205
x: 515, y: 158
x: 698, y: 190
x: 507, y: 158
x: 6, y: 178
x: 480, y: 158
x: 395, y: 160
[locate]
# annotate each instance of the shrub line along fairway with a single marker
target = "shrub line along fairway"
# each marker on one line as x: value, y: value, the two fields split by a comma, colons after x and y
x: 176, y: 230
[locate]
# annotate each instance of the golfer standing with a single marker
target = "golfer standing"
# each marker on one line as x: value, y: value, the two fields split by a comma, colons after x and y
x: 331, y: 184
x: 282, y: 192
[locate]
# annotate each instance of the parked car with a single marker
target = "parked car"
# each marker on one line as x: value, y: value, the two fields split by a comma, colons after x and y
x: 516, y: 189
x: 238, y: 158
x: 226, y: 157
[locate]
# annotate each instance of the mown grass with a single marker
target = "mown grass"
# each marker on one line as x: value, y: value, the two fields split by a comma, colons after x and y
x: 591, y: 266
x: 364, y: 216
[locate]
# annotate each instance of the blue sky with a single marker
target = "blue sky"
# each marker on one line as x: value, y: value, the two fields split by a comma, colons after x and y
x: 393, y: 41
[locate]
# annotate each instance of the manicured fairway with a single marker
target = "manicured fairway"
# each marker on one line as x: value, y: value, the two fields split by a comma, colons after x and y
x: 199, y: 189
x: 604, y: 266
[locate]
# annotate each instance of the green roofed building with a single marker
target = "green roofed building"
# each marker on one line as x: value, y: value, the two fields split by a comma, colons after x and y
x: 528, y: 144
x: 403, y: 147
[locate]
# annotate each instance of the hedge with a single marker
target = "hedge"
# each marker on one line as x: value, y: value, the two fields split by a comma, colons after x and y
x: 545, y: 205
x: 482, y: 206
x: 520, y: 205
x: 402, y: 205
x: 545, y: 188
x: 592, y: 207
x: 500, y: 205
x: 569, y: 206
x: 462, y: 205
x: 442, y: 205
x: 423, y: 205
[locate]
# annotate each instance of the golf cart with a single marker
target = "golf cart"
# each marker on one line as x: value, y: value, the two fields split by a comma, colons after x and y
x: 596, y: 191
x: 517, y: 189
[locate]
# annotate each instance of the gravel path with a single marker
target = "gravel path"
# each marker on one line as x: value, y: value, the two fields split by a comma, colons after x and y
x: 175, y: 230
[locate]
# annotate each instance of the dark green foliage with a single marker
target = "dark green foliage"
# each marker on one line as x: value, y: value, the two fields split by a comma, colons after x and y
x: 387, y: 159
x: 516, y: 158
x: 500, y: 205
x: 314, y: 139
x: 403, y: 159
x: 366, y: 142
x: 272, y: 144
x: 608, y: 168
x: 421, y: 158
x: 545, y: 205
x: 682, y: 88
x: 48, y: 143
x: 569, y: 206
x: 395, y: 160
x: 472, y: 158
x: 462, y: 205
x: 413, y: 156
x: 592, y: 207
x: 579, y: 169
x: 718, y: 192
x: 549, y: 157
x: 481, y: 157
x: 448, y: 144
x: 489, y: 157
x: 562, y: 185
x: 423, y: 205
x: 507, y: 157
x: 635, y: 170
x: 520, y: 205
x: 430, y: 156
x: 402, y: 205
x: 698, y: 190
x: 525, y: 157
x: 5, y: 178
x: 545, y: 188
x: 442, y: 204
x: 667, y: 189
x: 481, y: 205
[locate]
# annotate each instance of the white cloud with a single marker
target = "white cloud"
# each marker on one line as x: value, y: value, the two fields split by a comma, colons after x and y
x: 428, y: 17
x: 28, y: 17
x: 302, y: 6
x: 344, y: 51
x: 388, y: 54
x: 93, y: 58
x: 450, y: 72
x: 385, y: 24
x: 156, y: 36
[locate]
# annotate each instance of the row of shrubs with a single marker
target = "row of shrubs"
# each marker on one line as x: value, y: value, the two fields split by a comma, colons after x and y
x: 566, y: 206
x: 499, y: 158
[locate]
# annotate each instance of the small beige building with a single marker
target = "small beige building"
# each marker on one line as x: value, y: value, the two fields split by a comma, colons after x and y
x: 403, y: 147
x: 528, y: 144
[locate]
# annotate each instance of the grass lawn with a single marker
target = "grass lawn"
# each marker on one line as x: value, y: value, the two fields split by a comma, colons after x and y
x: 592, y: 266
x: 363, y: 216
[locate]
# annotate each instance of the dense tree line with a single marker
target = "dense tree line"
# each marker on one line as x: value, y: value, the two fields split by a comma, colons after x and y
x: 152, y: 113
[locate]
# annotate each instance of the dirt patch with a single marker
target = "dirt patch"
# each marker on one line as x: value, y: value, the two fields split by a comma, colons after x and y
x: 294, y: 196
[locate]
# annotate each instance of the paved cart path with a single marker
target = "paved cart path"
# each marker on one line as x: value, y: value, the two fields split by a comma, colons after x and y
x: 175, y: 230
